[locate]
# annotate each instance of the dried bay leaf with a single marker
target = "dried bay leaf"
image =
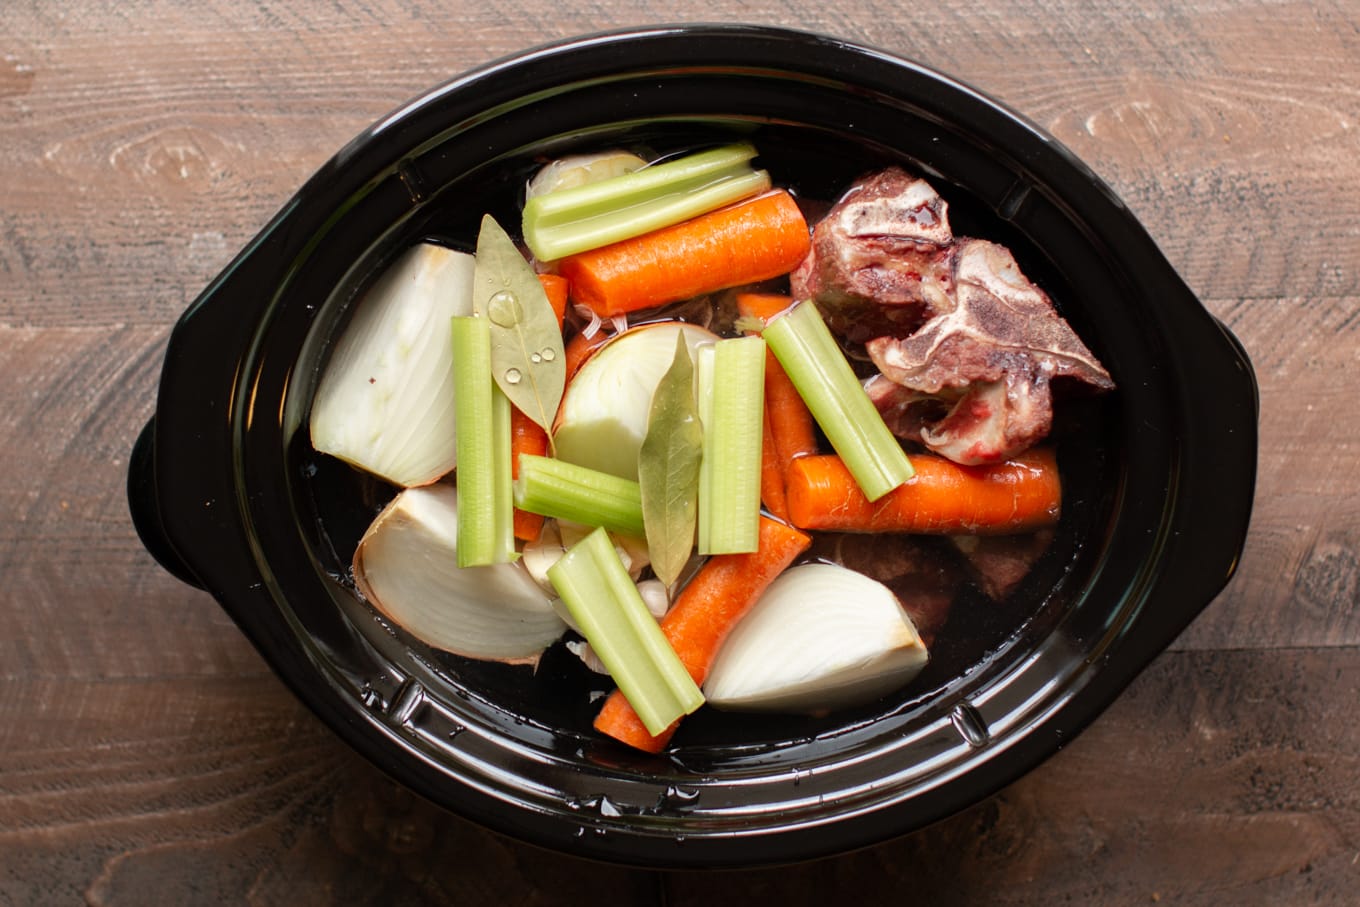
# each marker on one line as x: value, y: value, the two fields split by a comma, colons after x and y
x: 527, y: 357
x: 668, y: 468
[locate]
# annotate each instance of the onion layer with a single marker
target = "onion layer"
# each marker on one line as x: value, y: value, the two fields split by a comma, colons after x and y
x: 821, y: 637
x: 406, y: 566
x: 604, y: 412
x: 385, y: 401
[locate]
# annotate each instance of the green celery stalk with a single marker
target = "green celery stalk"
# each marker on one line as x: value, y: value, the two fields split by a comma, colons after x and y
x: 604, y: 602
x: 567, y: 221
x: 818, y: 369
x: 566, y: 491
x: 482, y: 429
x: 503, y: 461
x: 731, y: 410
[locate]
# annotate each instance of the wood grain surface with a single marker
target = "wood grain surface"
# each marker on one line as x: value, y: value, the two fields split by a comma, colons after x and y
x: 147, y: 754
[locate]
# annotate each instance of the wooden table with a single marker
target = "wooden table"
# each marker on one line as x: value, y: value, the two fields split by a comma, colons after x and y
x: 148, y: 756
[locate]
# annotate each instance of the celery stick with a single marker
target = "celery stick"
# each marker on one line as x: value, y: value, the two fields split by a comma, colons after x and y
x: 502, y: 460
x: 605, y: 604
x: 731, y: 409
x: 482, y: 427
x: 566, y: 491
x: 814, y: 362
x: 568, y: 221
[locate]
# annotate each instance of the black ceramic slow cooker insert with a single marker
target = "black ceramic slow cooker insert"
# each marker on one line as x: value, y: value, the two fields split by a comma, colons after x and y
x: 228, y: 495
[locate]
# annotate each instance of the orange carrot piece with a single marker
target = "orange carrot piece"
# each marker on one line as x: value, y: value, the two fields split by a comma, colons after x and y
x: 943, y: 497
x: 526, y: 437
x: 580, y: 348
x: 753, y: 240
x: 723, y: 590
x: 706, y: 610
x: 772, y: 472
x: 527, y: 526
x: 765, y: 306
x: 618, y: 719
x: 791, y: 422
x: 762, y: 305
x: 556, y: 287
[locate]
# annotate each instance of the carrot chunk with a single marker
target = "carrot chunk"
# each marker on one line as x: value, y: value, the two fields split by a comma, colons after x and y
x: 789, y: 427
x: 526, y: 437
x: 791, y: 423
x: 707, y: 609
x: 943, y: 497
x: 764, y: 306
x: 750, y: 241
x: 555, y: 287
x: 772, y: 471
x: 580, y: 348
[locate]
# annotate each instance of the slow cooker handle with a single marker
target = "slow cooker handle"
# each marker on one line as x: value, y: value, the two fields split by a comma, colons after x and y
x: 1212, y: 521
x: 144, y: 506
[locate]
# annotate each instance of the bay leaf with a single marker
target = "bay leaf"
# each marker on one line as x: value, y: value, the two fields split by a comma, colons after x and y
x: 527, y: 355
x: 668, y: 467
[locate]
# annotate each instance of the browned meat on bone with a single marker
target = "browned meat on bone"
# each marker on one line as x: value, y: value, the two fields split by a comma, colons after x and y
x: 882, y: 259
x: 969, y: 344
x: 971, y: 424
x: 991, y: 358
x: 906, y: 412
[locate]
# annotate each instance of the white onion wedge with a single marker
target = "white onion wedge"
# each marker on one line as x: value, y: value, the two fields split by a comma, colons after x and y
x: 821, y: 637
x: 604, y: 412
x: 407, y: 567
x: 385, y: 401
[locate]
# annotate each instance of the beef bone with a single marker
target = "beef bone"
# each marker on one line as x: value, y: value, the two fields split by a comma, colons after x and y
x: 881, y: 259
x: 992, y: 358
